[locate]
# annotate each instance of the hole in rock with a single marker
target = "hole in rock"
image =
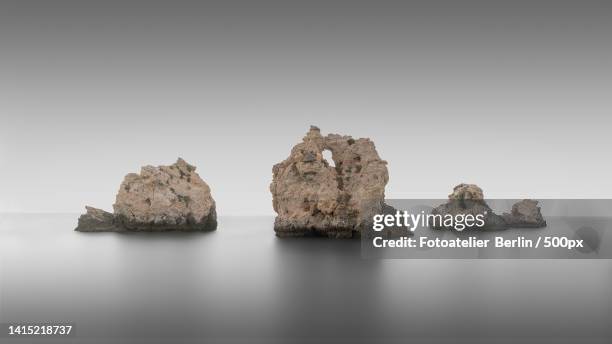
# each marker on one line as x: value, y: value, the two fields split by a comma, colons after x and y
x: 327, y: 155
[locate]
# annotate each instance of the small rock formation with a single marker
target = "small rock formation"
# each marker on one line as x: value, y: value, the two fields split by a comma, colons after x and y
x: 313, y: 198
x: 469, y: 199
x: 467, y: 191
x: 97, y: 220
x: 525, y: 214
x: 160, y: 198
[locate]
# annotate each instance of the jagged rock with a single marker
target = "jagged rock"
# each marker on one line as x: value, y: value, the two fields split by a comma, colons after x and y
x: 525, y: 214
x: 160, y: 198
x: 469, y: 199
x: 467, y: 191
x: 97, y: 220
x: 165, y: 198
x: 313, y: 198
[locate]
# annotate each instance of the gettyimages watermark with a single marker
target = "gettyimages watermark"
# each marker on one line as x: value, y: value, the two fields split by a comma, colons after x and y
x: 410, y: 221
x: 490, y: 229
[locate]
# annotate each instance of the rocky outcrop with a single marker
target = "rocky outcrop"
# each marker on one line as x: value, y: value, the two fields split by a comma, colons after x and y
x: 467, y: 192
x: 311, y: 197
x: 165, y: 198
x: 97, y: 220
x: 469, y: 199
x: 161, y: 198
x: 525, y: 214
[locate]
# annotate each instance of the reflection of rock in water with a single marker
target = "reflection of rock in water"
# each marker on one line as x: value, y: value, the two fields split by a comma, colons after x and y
x: 590, y: 237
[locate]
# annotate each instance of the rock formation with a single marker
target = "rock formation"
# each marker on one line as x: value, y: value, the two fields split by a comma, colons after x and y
x: 313, y: 198
x: 97, y: 220
x: 525, y: 213
x: 160, y: 198
x: 467, y: 192
x: 469, y: 199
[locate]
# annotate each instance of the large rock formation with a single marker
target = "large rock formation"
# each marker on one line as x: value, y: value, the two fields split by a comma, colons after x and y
x: 160, y: 198
x: 311, y: 197
x: 469, y: 199
x: 525, y: 213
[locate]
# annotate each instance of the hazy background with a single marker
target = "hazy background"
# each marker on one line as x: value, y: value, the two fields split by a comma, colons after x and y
x: 512, y: 95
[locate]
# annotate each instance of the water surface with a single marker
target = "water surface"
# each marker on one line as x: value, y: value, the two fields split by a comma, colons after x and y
x: 242, y: 284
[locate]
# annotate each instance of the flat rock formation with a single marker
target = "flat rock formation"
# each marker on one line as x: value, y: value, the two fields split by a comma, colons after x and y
x: 469, y: 199
x: 161, y: 198
x: 311, y: 197
x: 97, y: 220
x: 525, y: 214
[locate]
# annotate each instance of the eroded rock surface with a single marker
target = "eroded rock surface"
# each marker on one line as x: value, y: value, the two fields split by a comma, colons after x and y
x: 469, y: 199
x: 160, y: 198
x: 525, y: 213
x: 467, y: 192
x: 311, y: 197
x: 97, y: 220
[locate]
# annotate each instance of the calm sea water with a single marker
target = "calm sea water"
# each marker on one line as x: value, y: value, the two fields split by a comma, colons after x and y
x: 242, y: 284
